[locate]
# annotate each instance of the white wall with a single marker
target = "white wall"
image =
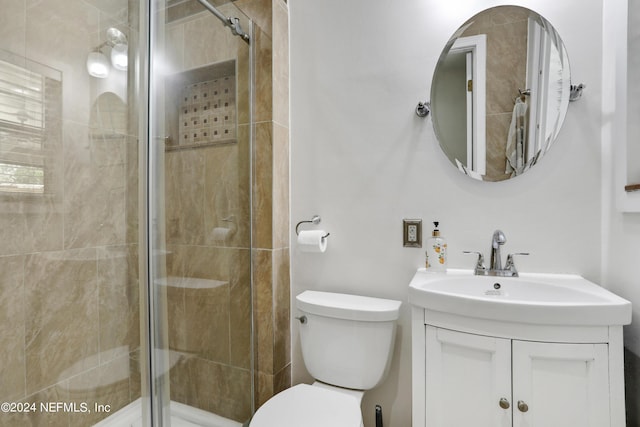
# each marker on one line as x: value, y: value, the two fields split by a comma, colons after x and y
x: 363, y: 160
x: 621, y: 260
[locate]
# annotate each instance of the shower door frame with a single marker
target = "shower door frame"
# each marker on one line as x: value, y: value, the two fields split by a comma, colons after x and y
x: 152, y: 400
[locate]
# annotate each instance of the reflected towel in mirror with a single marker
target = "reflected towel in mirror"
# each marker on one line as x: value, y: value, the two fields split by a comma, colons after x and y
x: 516, y: 139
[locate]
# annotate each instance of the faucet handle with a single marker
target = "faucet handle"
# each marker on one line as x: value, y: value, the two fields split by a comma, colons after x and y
x: 510, y: 256
x: 480, y: 263
x: 510, y: 265
x: 480, y: 256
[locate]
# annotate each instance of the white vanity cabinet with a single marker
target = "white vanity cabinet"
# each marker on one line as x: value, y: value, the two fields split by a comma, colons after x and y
x: 539, y: 350
x: 476, y: 380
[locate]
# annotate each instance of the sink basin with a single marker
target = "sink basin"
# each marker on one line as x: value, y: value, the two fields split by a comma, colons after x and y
x: 544, y: 299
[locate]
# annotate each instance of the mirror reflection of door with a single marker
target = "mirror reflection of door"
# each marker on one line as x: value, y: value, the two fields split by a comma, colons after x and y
x: 452, y: 115
x: 463, y: 113
x: 545, y: 76
x: 475, y: 49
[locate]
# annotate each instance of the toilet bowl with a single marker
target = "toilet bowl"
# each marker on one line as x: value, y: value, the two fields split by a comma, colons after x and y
x: 347, y: 342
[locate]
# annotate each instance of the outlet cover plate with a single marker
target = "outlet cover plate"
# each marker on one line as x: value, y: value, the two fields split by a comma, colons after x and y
x: 412, y: 233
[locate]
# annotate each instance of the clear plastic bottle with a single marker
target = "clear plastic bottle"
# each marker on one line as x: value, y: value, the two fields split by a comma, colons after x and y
x: 436, y: 253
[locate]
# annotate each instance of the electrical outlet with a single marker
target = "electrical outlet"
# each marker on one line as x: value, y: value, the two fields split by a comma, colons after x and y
x: 412, y: 233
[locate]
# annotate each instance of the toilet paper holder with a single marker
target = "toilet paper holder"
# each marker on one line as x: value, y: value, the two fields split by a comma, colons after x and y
x: 314, y: 220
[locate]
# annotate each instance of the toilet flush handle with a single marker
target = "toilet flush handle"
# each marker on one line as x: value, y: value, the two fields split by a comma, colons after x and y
x: 302, y: 319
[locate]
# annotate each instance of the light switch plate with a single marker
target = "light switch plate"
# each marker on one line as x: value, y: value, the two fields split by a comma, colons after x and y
x: 412, y: 233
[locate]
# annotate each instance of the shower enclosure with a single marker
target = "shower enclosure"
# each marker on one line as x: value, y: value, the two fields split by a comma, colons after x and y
x: 133, y: 198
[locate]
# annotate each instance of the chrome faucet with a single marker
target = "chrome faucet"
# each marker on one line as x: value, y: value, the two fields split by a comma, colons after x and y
x: 495, y: 265
x: 497, y: 240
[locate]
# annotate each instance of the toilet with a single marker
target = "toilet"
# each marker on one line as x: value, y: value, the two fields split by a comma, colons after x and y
x: 347, y: 343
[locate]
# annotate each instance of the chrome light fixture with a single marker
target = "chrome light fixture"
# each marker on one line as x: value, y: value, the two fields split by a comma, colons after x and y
x: 98, y: 64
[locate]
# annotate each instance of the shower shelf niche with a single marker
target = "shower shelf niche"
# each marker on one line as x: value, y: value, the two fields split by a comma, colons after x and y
x: 201, y: 107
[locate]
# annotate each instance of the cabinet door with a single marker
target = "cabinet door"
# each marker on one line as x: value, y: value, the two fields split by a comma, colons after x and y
x: 562, y: 385
x: 466, y: 377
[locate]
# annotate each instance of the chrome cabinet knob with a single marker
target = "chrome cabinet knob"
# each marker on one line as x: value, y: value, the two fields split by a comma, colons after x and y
x: 504, y: 403
x: 523, y: 407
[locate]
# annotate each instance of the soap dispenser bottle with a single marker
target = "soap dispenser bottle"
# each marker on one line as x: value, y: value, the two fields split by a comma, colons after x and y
x: 436, y: 251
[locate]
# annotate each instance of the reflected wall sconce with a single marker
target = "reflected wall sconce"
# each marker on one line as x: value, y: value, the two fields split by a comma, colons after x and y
x: 119, y: 56
x: 97, y: 63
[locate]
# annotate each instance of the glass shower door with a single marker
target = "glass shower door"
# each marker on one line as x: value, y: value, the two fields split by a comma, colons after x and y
x: 69, y: 323
x: 199, y: 218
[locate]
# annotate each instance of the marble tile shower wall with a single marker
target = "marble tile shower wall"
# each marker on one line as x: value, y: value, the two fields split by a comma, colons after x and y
x: 209, y: 185
x: 69, y: 328
x: 208, y: 223
x: 271, y: 203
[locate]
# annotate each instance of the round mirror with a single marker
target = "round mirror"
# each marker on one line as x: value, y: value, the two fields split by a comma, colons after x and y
x: 500, y: 93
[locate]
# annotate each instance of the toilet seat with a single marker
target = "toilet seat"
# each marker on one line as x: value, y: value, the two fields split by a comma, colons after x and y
x: 309, y: 406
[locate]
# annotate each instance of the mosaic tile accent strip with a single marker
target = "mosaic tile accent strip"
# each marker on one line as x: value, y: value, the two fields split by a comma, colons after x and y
x: 208, y: 112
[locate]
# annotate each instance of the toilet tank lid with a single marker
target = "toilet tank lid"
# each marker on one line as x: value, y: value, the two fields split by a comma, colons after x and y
x: 350, y: 307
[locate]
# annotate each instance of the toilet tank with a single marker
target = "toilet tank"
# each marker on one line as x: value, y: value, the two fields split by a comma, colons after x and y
x: 347, y: 340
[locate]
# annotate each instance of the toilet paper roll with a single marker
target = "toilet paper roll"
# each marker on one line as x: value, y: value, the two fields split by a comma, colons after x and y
x: 220, y: 234
x: 312, y: 241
